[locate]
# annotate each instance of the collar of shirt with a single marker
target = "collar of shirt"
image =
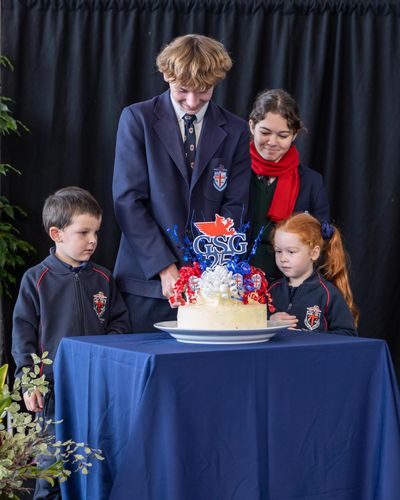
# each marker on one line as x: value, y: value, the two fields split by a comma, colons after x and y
x: 76, y: 269
x: 73, y: 269
x: 198, y: 123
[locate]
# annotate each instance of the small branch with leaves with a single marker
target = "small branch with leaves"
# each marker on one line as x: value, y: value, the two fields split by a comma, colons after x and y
x: 27, y: 439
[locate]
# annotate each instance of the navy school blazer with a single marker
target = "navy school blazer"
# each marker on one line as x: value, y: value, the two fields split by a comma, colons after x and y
x: 152, y: 189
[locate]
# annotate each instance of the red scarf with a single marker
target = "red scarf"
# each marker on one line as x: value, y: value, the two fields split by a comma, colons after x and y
x: 288, y: 182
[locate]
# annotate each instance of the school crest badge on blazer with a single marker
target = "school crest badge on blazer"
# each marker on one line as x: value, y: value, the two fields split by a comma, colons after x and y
x: 313, y: 317
x: 220, y: 177
x: 99, y: 304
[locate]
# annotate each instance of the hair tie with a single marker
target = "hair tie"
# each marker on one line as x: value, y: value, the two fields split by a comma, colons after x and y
x: 327, y: 230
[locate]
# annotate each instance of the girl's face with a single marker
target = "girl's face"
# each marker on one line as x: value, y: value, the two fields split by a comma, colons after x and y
x: 272, y: 136
x: 294, y: 258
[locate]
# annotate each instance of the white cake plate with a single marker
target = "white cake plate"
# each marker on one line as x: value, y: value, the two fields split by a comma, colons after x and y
x: 250, y: 336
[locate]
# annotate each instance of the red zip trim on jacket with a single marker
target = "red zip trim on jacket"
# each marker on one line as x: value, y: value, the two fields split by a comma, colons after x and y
x: 101, y: 272
x: 327, y: 303
x: 41, y: 345
x: 41, y: 277
x: 37, y: 287
x: 272, y: 286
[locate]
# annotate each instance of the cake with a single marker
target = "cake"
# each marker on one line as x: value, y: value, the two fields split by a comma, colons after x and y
x: 230, y: 316
x: 220, y: 291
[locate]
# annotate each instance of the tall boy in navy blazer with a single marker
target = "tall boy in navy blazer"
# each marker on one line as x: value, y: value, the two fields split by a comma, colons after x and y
x: 153, y: 187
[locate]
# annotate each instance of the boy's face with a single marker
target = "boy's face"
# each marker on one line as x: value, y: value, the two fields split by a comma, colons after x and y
x: 77, y: 242
x: 190, y: 102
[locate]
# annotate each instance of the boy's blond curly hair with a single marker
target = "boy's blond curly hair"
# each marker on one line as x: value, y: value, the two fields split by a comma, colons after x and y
x: 194, y: 62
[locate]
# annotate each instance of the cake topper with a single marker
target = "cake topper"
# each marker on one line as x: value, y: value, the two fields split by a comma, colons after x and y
x: 219, y: 242
x: 220, y: 271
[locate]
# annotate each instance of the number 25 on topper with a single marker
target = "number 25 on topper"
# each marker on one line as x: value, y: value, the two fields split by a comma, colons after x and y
x: 219, y: 241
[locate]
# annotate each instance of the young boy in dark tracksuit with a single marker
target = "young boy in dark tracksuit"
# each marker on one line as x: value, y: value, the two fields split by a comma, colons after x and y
x: 65, y: 295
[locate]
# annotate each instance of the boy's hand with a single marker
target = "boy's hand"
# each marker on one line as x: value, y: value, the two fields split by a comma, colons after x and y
x: 34, y: 402
x: 169, y: 276
x: 284, y: 316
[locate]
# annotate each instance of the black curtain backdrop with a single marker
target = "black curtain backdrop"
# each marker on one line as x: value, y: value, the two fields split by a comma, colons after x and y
x: 78, y: 63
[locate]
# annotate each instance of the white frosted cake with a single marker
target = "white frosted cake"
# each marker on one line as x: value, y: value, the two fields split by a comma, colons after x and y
x: 232, y: 315
x: 214, y: 301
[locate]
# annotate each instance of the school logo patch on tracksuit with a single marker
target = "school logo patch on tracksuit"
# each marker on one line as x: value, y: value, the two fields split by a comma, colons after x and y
x: 99, y: 304
x: 220, y: 177
x: 313, y: 317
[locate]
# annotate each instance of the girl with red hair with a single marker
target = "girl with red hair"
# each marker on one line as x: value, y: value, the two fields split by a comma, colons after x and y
x: 315, y: 292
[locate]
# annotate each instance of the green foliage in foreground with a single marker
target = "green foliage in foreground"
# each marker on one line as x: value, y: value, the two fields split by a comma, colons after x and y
x: 24, y: 440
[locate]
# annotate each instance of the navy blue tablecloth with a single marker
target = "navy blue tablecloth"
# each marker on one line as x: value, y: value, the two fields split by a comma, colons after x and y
x: 303, y: 416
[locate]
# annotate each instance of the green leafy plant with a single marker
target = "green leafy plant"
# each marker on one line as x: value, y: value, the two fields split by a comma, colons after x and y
x: 26, y: 439
x: 12, y: 247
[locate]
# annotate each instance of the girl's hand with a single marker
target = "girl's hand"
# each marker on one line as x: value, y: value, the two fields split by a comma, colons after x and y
x: 286, y: 317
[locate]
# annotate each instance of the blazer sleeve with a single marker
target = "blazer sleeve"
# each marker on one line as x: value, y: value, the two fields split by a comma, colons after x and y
x: 236, y: 197
x: 26, y: 324
x: 320, y: 208
x: 131, y: 195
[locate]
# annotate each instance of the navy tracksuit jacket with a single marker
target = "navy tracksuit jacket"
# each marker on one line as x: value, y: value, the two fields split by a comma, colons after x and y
x: 56, y: 302
x: 317, y: 303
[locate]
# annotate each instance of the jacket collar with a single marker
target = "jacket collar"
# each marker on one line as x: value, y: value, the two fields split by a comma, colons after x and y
x: 212, y: 135
x: 60, y: 267
x: 311, y: 280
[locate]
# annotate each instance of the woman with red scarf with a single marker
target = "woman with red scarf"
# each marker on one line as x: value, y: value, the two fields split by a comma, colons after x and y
x: 280, y: 184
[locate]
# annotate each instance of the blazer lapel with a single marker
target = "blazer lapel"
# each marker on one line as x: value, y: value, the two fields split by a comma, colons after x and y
x: 166, y: 127
x: 212, y: 135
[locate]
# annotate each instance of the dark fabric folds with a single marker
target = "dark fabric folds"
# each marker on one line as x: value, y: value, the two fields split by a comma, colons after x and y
x: 220, y: 6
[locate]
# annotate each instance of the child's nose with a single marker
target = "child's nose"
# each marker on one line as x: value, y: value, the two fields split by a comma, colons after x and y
x: 192, y: 99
